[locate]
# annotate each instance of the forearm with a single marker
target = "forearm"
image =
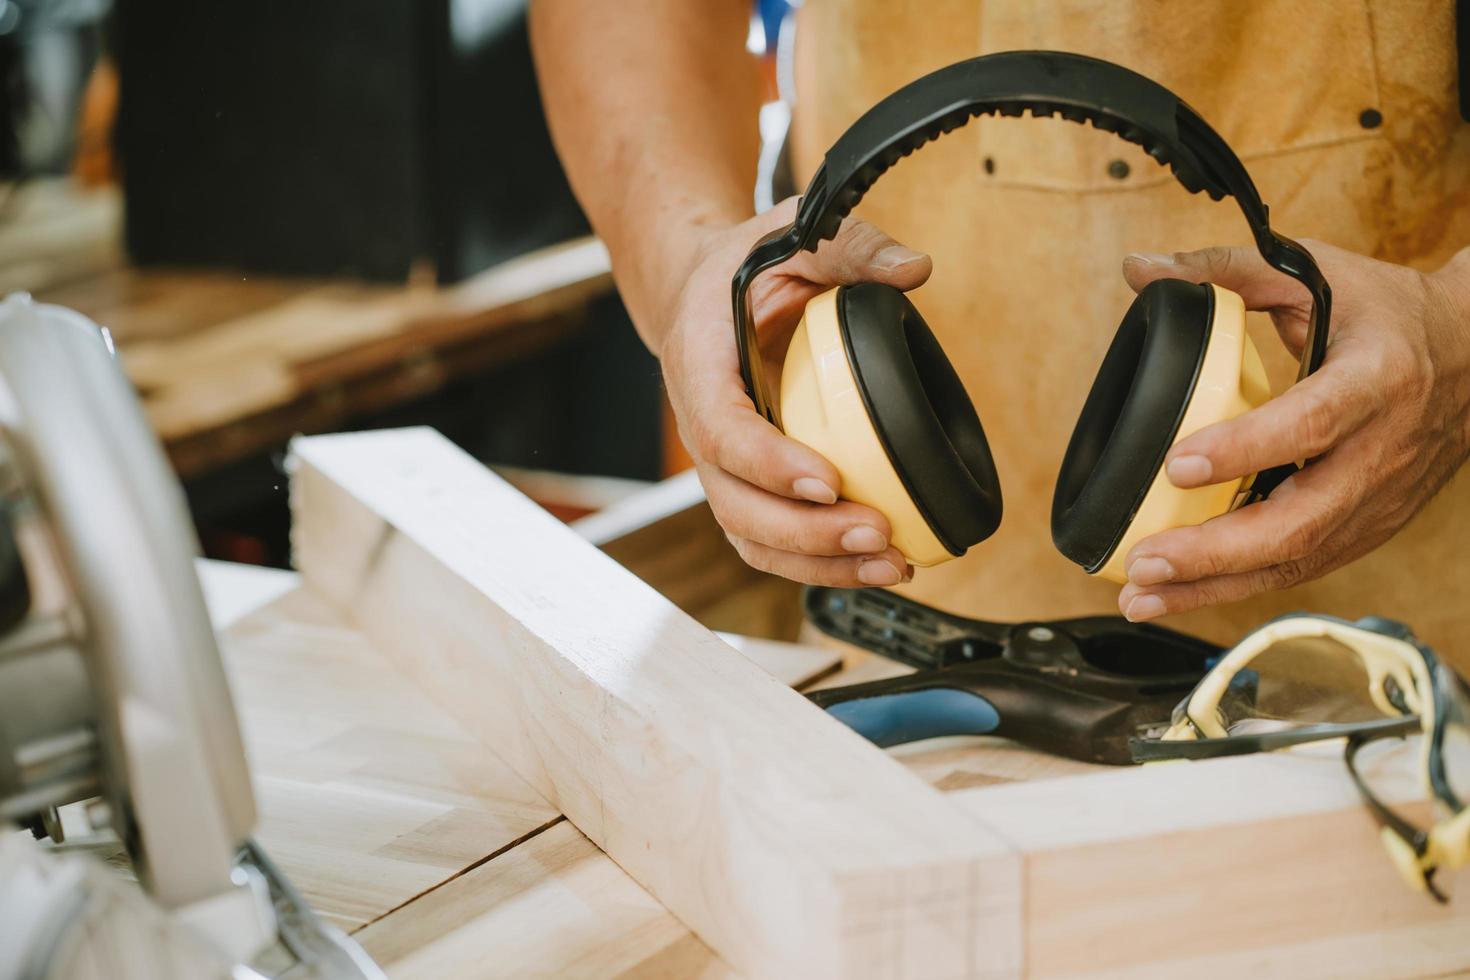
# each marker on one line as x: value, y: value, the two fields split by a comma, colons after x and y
x: 653, y: 107
x: 1454, y: 275
x: 1453, y: 279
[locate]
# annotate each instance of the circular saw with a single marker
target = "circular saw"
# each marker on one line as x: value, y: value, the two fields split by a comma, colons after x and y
x: 115, y: 711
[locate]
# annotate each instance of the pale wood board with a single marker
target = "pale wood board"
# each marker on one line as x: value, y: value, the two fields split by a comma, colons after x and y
x: 1268, y: 866
x: 794, y: 664
x: 369, y: 794
x: 232, y: 591
x: 667, y: 750
x: 668, y: 536
x: 554, y: 907
x: 575, y: 494
x: 52, y: 231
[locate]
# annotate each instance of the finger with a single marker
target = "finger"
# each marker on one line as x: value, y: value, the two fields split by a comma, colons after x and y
x: 886, y: 568
x: 1303, y: 422
x: 732, y: 437
x: 1292, y: 329
x: 1141, y: 603
x: 863, y: 253
x: 746, y: 511
x: 719, y: 425
x: 1293, y: 524
x: 1240, y: 270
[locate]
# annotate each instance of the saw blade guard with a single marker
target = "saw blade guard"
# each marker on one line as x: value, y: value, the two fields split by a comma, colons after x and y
x: 93, y: 488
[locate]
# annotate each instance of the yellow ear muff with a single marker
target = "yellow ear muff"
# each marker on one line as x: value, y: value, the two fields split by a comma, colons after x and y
x: 822, y: 407
x: 1179, y: 361
x: 1231, y: 381
x: 870, y: 387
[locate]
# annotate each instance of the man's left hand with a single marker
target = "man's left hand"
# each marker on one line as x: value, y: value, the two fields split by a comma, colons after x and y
x: 1385, y: 421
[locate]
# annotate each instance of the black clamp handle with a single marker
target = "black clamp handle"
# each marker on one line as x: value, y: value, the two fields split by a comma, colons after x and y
x: 1044, y: 83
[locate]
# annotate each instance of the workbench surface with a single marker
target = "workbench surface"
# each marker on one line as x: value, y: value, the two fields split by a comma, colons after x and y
x: 400, y: 828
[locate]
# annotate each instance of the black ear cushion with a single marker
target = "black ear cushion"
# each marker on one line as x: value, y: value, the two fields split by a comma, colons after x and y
x: 921, y: 413
x: 1130, y: 418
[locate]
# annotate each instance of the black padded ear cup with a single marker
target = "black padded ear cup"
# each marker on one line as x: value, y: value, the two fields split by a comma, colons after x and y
x: 1130, y: 418
x: 921, y: 413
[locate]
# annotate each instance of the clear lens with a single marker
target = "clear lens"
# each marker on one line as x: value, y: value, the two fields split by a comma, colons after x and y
x: 1308, y: 680
x: 1392, y: 769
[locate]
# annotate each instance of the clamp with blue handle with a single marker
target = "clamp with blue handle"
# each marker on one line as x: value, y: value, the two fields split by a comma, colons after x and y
x: 1080, y: 688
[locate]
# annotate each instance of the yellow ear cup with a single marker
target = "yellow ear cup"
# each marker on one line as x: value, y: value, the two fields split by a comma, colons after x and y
x: 1232, y: 381
x: 822, y: 407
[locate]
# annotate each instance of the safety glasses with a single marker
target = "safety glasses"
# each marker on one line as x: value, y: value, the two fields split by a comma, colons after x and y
x: 1307, y: 678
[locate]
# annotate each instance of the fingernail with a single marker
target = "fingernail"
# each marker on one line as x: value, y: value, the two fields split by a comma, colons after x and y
x: 863, y: 540
x: 908, y: 575
x: 1189, y: 471
x: 1150, y: 571
x: 1143, y: 607
x: 878, y: 571
x: 810, y: 488
x: 895, y: 256
x: 1149, y: 258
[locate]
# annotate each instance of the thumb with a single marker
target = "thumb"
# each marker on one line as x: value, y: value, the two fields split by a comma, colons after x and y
x: 864, y: 253
x: 1240, y: 270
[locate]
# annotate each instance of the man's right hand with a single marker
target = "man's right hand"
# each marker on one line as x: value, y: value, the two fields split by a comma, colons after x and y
x: 776, y: 499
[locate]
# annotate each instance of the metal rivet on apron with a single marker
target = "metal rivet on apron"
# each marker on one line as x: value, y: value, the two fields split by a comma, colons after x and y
x: 990, y: 165
x: 1370, y: 119
x: 1118, y: 169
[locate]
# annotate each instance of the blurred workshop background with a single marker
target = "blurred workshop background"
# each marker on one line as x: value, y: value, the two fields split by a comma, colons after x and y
x: 308, y: 217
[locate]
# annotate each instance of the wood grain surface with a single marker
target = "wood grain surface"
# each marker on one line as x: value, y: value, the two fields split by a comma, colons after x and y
x: 1264, y: 865
x: 387, y: 815
x: 369, y: 794
x: 554, y: 907
x: 668, y: 536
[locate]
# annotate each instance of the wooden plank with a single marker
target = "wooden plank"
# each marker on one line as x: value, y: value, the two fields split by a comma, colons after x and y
x: 785, y: 841
x: 369, y: 794
x: 668, y: 537
x: 794, y: 664
x: 645, y: 511
x: 1267, y: 866
x: 554, y: 907
x: 232, y: 591
x: 539, y: 287
x: 230, y: 364
x: 151, y: 304
x: 54, y: 232
x: 569, y: 496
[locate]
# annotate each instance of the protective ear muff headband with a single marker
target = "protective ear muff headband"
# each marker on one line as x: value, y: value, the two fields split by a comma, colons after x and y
x: 1046, y: 83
